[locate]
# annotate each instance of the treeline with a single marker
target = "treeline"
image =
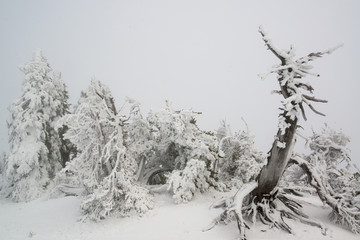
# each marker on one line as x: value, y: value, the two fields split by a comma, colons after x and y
x: 114, y: 157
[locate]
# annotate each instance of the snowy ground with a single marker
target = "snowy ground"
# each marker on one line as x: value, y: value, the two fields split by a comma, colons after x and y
x: 57, y: 219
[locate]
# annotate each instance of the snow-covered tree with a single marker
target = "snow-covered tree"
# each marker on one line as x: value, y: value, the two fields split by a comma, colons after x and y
x: 103, y: 164
x: 118, y: 192
x: 139, y: 139
x: 240, y: 162
x: 329, y: 163
x: 88, y: 130
x: 223, y: 131
x: 63, y: 109
x: 178, y: 140
x: 2, y: 171
x: 264, y: 198
x: 35, y: 144
x: 2, y: 162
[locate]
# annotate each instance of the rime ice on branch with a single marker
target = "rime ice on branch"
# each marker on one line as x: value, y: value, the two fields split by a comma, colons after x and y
x: 328, y: 168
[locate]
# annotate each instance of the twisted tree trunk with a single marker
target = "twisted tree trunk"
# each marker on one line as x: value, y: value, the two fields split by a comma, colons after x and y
x: 263, y: 198
x: 278, y: 159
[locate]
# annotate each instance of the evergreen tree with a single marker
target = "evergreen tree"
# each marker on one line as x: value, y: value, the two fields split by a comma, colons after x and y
x: 103, y: 165
x: 140, y: 140
x: 62, y: 95
x: 2, y: 170
x: 88, y: 131
x: 2, y: 162
x: 240, y: 162
x: 178, y: 140
x: 35, y: 143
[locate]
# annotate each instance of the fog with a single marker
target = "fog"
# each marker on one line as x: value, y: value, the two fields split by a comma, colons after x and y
x: 203, y: 54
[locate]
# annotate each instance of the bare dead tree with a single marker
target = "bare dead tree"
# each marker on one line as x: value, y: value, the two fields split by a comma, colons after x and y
x: 263, y: 199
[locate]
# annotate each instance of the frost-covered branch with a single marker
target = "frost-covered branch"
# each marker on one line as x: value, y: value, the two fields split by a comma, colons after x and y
x: 347, y: 215
x: 282, y: 55
x: 290, y: 73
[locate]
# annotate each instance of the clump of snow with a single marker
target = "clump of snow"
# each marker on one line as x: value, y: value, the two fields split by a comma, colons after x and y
x: 281, y: 144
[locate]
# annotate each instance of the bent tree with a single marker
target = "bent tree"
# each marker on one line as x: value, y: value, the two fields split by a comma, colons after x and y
x: 290, y: 74
x: 263, y: 199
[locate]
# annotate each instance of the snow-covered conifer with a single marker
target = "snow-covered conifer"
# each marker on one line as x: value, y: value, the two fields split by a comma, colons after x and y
x: 240, y: 162
x: 118, y: 192
x: 35, y: 143
x: 88, y: 130
x: 139, y: 139
x: 223, y: 131
x: 178, y: 140
x: 63, y: 109
x: 2, y: 162
x: 103, y: 163
x: 2, y: 171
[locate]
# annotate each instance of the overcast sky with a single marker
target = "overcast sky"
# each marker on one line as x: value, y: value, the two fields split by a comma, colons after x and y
x: 199, y: 54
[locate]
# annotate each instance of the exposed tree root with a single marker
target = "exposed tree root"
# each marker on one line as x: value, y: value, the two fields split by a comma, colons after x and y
x: 272, y: 210
x: 233, y: 209
x: 275, y: 208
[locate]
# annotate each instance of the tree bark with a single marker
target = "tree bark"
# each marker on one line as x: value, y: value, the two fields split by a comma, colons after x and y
x: 278, y: 159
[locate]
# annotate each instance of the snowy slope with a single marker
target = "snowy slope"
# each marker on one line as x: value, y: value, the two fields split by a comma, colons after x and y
x: 57, y: 219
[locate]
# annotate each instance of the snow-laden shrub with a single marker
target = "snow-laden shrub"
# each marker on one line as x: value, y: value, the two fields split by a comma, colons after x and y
x: 333, y: 175
x: 185, y: 183
x: 331, y: 160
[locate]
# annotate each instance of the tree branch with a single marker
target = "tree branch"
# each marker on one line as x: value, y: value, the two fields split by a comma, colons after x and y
x: 305, y: 86
x: 311, y: 98
x: 348, y: 215
x: 312, y: 108
x: 314, y: 55
x: 278, y: 53
x: 302, y: 111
